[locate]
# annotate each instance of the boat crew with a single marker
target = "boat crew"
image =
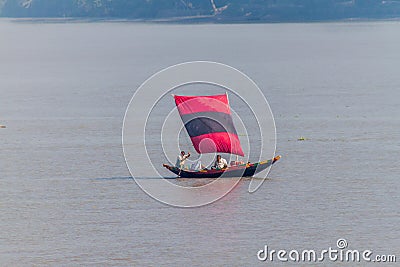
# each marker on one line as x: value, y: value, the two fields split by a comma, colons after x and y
x: 220, y: 163
x: 180, y: 161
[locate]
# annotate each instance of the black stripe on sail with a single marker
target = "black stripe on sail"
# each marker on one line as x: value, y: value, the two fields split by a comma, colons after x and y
x: 208, y: 122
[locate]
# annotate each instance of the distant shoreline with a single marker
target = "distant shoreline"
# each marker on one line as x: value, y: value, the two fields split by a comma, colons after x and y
x: 184, y: 20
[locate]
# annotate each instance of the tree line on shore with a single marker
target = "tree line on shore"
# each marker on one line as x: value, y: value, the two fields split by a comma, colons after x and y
x: 221, y: 10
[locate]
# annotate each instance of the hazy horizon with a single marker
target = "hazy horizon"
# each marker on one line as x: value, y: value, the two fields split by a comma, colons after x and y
x: 204, y: 10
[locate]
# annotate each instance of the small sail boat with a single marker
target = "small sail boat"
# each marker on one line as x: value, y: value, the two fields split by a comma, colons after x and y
x: 209, y: 123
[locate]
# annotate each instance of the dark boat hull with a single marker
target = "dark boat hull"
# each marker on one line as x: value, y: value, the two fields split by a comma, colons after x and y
x: 246, y: 170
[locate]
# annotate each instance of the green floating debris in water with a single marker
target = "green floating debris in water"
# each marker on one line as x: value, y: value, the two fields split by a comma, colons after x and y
x: 302, y: 139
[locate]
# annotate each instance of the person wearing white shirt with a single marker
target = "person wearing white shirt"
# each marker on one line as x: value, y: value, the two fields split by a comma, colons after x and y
x: 180, y: 161
x: 220, y: 163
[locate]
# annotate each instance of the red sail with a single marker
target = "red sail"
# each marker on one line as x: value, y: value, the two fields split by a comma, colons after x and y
x: 209, y: 123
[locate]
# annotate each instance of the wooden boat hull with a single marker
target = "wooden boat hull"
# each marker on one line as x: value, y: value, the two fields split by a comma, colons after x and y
x: 245, y: 170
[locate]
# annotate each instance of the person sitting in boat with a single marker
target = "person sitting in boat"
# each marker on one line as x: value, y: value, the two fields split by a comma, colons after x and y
x: 180, y: 161
x: 220, y: 163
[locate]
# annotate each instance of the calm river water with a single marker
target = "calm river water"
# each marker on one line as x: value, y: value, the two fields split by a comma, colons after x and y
x: 65, y: 193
